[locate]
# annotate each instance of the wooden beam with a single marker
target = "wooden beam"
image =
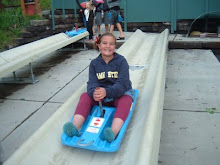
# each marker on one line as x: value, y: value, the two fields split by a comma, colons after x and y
x: 37, y: 6
x: 23, y: 7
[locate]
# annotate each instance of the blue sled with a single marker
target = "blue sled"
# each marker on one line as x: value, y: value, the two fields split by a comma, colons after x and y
x: 75, y: 32
x: 92, y: 137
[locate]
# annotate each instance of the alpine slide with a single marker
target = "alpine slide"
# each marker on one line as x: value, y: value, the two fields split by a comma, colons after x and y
x: 146, y: 55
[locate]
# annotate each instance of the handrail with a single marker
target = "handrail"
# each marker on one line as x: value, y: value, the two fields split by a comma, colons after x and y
x: 211, y: 12
x: 15, y: 58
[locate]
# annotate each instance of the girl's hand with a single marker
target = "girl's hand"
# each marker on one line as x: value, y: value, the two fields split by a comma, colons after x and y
x: 99, y: 94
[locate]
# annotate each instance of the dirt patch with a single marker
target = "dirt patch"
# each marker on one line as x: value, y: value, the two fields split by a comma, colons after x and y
x: 46, y: 65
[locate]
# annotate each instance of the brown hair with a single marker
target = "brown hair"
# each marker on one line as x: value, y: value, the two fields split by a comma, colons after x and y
x: 106, y: 34
x: 98, y: 40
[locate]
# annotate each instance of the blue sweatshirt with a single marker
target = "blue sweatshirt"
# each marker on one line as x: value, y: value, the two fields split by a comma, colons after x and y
x: 114, y: 76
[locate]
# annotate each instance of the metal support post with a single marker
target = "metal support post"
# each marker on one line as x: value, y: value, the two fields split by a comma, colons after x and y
x: 20, y: 80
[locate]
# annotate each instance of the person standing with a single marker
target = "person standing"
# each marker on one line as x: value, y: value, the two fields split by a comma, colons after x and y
x: 101, y: 10
x: 89, y: 19
x: 115, y: 11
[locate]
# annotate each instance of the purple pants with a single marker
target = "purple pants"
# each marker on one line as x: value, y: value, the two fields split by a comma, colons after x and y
x: 122, y: 104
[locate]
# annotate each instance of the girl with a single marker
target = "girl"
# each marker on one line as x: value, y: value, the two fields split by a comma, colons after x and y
x: 108, y: 81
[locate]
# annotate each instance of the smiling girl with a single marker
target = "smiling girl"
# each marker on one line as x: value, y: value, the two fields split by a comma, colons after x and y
x: 109, y: 82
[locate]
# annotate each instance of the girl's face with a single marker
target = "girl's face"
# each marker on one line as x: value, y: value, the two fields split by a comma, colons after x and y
x: 107, y: 46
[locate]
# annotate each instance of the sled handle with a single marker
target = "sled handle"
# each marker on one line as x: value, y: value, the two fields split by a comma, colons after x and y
x: 84, y: 145
x: 100, y: 106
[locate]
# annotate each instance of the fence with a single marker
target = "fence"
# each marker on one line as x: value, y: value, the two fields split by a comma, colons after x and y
x: 153, y: 10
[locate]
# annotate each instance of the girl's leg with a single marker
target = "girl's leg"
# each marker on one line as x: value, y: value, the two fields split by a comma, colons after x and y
x: 83, y: 109
x: 78, y: 121
x: 123, y: 105
x: 116, y: 125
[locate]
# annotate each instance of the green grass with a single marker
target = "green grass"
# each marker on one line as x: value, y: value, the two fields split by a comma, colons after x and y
x: 12, y: 21
x: 9, y: 3
x: 45, y: 4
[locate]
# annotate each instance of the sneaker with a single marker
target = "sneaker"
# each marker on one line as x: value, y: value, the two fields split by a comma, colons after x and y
x: 121, y: 38
x: 70, y: 130
x: 109, y: 134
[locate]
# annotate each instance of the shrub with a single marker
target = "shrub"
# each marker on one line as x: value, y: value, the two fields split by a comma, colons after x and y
x: 12, y: 21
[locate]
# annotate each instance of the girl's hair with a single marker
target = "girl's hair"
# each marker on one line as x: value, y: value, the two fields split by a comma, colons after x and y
x: 98, y: 40
x: 106, y: 34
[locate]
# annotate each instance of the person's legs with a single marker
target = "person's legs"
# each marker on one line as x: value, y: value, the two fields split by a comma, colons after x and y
x: 121, y: 34
x: 98, y: 22
x: 94, y: 27
x: 84, y: 20
x: 106, y: 28
x: 82, y: 111
x: 116, y: 125
x: 89, y: 28
x: 111, y: 28
x: 113, y: 20
x: 78, y: 121
x: 99, y: 29
x: 84, y: 106
x: 106, y: 21
x: 123, y: 105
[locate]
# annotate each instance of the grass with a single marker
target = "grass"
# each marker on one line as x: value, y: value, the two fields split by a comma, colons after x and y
x: 45, y: 4
x: 12, y: 21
